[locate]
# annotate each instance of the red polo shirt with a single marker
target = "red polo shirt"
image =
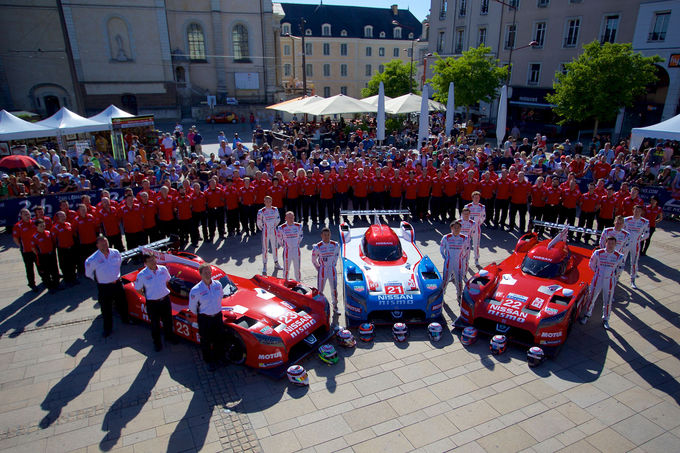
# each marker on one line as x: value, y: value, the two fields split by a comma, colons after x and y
x: 570, y: 197
x: 198, y: 201
x: 607, y: 206
x: 166, y: 208
x: 411, y: 188
x: 360, y: 186
x: 64, y: 234
x: 503, y: 189
x: 395, y: 186
x: 276, y: 192
x: 520, y: 191
x: 248, y: 195
x: 133, y: 218
x: 214, y: 197
x: 43, y: 242
x: 487, y: 188
x: 183, y: 205
x: 149, y: 211
x: 553, y: 195
x: 231, y: 197
x: 23, y: 232
x: 326, y: 188
x: 87, y: 228
x: 538, y: 196
x: 589, y: 201
x: 110, y: 220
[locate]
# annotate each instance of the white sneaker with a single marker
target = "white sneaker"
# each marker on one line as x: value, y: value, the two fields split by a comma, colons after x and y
x: 277, y: 266
x: 633, y: 285
x: 605, y: 324
x: 584, y: 320
x: 477, y: 263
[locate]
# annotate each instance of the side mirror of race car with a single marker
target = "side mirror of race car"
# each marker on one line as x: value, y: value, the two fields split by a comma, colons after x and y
x: 407, y: 232
x: 526, y: 242
x: 345, y: 233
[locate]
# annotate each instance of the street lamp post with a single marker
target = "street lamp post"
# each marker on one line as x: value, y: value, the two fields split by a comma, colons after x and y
x: 513, y: 5
x: 304, y: 59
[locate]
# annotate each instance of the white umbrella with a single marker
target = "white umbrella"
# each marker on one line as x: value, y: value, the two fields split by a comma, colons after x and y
x: 450, y: 107
x: 502, y: 116
x: 373, y: 100
x: 380, y: 133
x: 410, y: 103
x: 424, y: 120
x: 294, y: 105
x: 337, y: 105
x: 14, y: 128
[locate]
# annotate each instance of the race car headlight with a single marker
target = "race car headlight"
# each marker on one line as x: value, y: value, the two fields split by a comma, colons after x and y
x: 434, y: 299
x: 467, y: 298
x: 552, y: 320
x: 268, y: 340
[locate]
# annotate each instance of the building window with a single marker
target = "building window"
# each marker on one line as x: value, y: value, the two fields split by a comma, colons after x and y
x: 410, y: 36
x: 326, y: 48
x: 610, y: 26
x: 382, y: 34
x: 409, y: 52
x: 659, y: 26
x: 309, y: 70
x: 239, y: 37
x: 513, y: 4
x: 343, y: 90
x: 309, y: 47
x: 286, y: 69
x: 286, y: 49
x: 369, y: 51
x: 308, y: 32
x: 326, y: 30
x: 543, y: 3
x: 326, y: 92
x: 395, y: 52
x: 343, y: 70
x: 563, y: 68
x: 463, y: 8
x: 484, y: 7
x: 196, y: 42
x: 460, y: 35
x: 482, y: 37
x: 180, y: 75
x: 368, y: 70
x: 343, y: 33
x: 368, y: 31
x: 539, y: 33
x: 381, y: 68
x: 510, y: 32
x: 534, y: 75
x: 396, y: 32
x: 285, y: 29
x: 442, y: 10
x: 381, y: 51
x: 326, y: 70
x: 440, y: 43
x: 343, y: 50
x: 571, y: 32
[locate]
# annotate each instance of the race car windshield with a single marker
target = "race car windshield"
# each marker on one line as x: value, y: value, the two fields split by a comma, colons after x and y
x: 542, y: 269
x: 386, y: 252
x: 228, y: 286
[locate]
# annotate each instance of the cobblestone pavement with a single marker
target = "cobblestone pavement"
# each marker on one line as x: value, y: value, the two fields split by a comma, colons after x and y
x: 64, y: 388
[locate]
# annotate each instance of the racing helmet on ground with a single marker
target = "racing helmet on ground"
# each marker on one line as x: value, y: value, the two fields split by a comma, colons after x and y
x: 399, y: 332
x: 498, y: 344
x: 434, y: 331
x: 328, y: 354
x: 366, y: 332
x: 469, y: 336
x: 297, y: 375
x: 535, y: 356
x: 346, y: 339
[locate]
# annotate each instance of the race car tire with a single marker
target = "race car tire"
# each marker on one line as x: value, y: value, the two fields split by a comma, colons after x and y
x: 235, y: 348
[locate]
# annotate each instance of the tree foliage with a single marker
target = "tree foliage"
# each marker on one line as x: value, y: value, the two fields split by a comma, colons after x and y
x: 395, y: 77
x: 475, y: 75
x: 600, y: 81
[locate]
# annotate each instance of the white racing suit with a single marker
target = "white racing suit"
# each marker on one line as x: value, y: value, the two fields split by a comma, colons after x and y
x: 639, y: 232
x: 267, y: 220
x: 478, y: 214
x: 325, y: 258
x: 607, y: 267
x: 456, y: 252
x: 622, y: 240
x: 290, y: 237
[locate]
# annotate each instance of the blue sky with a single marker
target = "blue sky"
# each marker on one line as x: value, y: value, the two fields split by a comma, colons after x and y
x: 419, y: 8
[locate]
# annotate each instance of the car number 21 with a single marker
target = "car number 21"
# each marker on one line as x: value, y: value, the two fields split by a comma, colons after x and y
x: 394, y: 289
x: 181, y: 328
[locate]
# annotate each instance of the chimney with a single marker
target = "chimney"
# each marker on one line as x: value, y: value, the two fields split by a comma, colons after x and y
x: 395, y: 10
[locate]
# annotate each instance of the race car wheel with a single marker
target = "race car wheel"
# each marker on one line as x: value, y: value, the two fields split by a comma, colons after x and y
x: 235, y: 349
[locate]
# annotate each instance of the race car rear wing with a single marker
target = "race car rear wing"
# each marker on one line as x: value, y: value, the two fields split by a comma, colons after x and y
x: 163, y: 244
x: 376, y: 213
x: 560, y: 226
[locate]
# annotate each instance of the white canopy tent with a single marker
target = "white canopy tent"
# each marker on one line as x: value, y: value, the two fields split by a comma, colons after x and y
x: 110, y: 112
x: 66, y: 122
x: 410, y: 103
x: 294, y: 105
x: 337, y: 105
x: 669, y: 130
x: 373, y: 100
x: 14, y: 128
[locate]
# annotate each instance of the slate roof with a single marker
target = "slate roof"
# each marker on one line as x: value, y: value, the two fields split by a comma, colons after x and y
x: 350, y: 18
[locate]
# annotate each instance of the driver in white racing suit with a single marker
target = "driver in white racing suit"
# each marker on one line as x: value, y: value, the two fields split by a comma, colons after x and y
x: 607, y: 264
x: 455, y: 249
x: 289, y: 234
x: 478, y: 214
x: 268, y: 219
x: 638, y: 227
x: 325, y: 256
x: 622, y: 236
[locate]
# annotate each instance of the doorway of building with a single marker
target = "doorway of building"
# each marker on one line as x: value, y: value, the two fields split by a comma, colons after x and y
x: 129, y: 102
x: 52, y: 105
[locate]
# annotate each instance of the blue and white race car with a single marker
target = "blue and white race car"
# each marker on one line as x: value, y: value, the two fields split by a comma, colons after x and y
x: 385, y: 277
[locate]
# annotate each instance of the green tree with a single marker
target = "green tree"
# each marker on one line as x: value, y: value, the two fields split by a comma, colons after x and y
x: 600, y: 81
x: 395, y: 77
x: 475, y: 74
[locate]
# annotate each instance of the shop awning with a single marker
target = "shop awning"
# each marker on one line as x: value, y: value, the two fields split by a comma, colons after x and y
x: 532, y: 104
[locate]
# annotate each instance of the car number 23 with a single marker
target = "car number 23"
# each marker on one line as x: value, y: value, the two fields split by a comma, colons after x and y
x: 181, y: 328
x: 288, y: 318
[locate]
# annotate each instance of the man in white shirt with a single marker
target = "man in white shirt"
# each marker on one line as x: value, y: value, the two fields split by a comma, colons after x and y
x: 268, y: 219
x: 152, y: 281
x: 205, y: 299
x: 289, y: 234
x: 325, y: 256
x: 224, y: 150
x: 103, y: 266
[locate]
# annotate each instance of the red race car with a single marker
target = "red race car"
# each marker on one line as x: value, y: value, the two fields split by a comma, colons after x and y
x: 268, y: 322
x: 222, y: 117
x: 534, y: 296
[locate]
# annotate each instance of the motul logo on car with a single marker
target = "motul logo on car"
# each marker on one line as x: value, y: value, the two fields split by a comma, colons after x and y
x: 274, y: 355
x: 551, y: 334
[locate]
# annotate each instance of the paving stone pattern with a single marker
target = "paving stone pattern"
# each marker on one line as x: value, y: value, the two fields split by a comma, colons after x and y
x: 65, y: 388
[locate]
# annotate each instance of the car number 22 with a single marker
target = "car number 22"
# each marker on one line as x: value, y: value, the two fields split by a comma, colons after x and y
x: 181, y: 328
x: 514, y: 304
